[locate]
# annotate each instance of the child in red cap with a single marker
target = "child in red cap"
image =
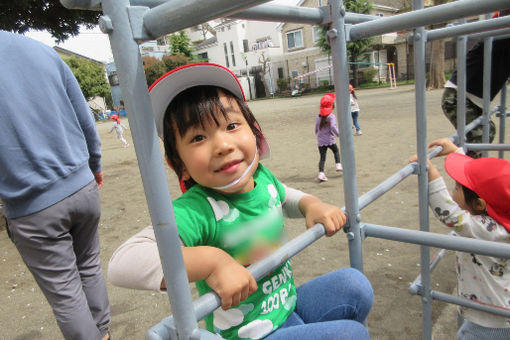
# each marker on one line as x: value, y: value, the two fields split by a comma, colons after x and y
x: 119, y: 129
x: 355, y: 111
x: 326, y: 130
x: 479, y: 207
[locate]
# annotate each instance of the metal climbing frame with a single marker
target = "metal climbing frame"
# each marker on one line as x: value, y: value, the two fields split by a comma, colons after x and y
x: 129, y: 22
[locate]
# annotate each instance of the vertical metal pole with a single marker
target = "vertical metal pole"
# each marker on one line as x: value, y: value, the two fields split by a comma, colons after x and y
x: 487, y: 66
x: 131, y: 75
x: 461, y: 87
x: 420, y: 41
x: 502, y: 120
x: 337, y: 40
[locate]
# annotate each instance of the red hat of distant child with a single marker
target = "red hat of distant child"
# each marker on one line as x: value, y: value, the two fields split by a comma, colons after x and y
x: 114, y: 117
x: 489, y: 178
x: 351, y: 88
x: 327, y: 104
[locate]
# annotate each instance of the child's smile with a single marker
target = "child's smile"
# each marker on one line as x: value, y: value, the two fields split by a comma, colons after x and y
x: 217, y: 154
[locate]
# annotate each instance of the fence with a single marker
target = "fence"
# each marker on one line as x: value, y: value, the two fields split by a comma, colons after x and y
x: 127, y: 23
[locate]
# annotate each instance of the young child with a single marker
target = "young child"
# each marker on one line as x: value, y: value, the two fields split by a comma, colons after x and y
x: 119, y: 129
x: 231, y: 215
x: 326, y: 130
x: 478, y: 208
x: 355, y: 111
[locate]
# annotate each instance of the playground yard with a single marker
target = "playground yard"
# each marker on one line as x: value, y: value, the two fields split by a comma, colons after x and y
x: 387, y: 119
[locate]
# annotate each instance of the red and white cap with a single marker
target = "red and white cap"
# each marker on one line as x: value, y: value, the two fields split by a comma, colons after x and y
x: 168, y: 86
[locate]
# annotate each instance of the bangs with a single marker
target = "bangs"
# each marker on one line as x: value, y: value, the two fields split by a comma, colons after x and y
x: 194, y: 107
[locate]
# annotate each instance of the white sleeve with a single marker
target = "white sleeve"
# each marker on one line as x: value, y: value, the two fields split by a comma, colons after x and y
x: 136, y: 263
x: 291, y: 204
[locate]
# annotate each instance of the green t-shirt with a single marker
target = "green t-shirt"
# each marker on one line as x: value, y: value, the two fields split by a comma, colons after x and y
x: 248, y: 226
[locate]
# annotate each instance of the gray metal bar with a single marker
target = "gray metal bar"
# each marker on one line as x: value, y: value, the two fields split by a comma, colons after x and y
x: 461, y: 87
x: 278, y: 13
x: 420, y: 40
x: 416, y: 285
x: 469, y: 28
x: 432, y: 15
x: 496, y: 34
x: 136, y: 97
x: 502, y: 119
x: 94, y: 5
x: 464, y: 244
x: 468, y: 303
x: 487, y: 147
x: 338, y: 43
x: 175, y: 15
x: 487, y: 72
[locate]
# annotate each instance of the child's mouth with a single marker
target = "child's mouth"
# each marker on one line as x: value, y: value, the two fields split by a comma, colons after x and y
x: 229, y: 167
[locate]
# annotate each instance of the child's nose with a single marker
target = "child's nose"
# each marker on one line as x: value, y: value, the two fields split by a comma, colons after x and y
x: 223, y: 144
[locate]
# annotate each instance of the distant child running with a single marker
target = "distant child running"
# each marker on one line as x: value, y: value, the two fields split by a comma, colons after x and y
x: 478, y: 208
x: 119, y: 129
x: 326, y: 130
x: 355, y: 111
x: 232, y: 215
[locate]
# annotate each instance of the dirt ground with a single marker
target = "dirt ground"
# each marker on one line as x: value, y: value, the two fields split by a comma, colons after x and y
x: 389, y: 137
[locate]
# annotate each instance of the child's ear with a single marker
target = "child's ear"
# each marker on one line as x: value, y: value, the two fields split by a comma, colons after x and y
x: 480, y: 205
x: 185, y: 175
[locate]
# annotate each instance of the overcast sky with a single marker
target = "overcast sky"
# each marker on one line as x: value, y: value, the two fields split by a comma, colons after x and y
x: 93, y: 43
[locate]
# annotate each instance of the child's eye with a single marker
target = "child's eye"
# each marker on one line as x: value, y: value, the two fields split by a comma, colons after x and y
x: 197, y: 138
x: 232, y: 126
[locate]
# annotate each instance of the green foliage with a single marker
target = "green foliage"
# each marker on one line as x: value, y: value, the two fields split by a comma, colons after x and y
x: 369, y: 74
x: 90, y: 76
x: 282, y: 83
x: 181, y: 44
x: 21, y: 15
x: 155, y: 68
x: 354, y: 48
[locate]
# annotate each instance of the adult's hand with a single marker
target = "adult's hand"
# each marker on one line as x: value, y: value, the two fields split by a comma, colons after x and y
x: 98, y: 176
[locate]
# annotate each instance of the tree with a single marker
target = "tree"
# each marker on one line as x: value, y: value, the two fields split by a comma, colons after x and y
x: 355, y: 48
x: 22, y: 15
x: 90, y: 76
x: 436, y: 78
x: 264, y: 61
x: 181, y: 44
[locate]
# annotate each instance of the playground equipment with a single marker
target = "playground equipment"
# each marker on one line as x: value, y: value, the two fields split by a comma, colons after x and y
x: 127, y: 23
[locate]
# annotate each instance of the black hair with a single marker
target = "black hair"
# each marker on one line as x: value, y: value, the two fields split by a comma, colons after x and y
x: 470, y: 197
x: 324, y: 122
x: 194, y: 107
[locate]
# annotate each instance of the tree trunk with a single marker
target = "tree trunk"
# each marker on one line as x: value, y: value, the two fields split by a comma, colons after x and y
x: 436, y: 78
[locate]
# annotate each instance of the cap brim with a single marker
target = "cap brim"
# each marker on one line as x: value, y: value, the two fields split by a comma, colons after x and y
x: 164, y: 90
x: 455, y: 165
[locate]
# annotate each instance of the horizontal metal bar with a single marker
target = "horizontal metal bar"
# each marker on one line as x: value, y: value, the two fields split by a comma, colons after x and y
x: 175, y: 15
x: 469, y: 28
x: 497, y: 34
x: 468, y: 303
x: 489, y: 147
x: 430, y: 239
x: 94, y: 5
x: 423, y: 17
x: 281, y: 13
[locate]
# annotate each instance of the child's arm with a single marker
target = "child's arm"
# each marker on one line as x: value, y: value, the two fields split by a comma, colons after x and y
x: 446, y: 143
x: 316, y: 211
x: 433, y: 172
x: 229, y: 279
x: 136, y: 264
x: 299, y: 204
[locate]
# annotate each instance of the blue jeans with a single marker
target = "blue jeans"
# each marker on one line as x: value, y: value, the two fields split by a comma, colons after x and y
x: 355, y: 115
x: 331, y: 306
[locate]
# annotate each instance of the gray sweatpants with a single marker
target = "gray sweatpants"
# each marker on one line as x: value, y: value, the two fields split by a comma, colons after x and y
x: 60, y: 246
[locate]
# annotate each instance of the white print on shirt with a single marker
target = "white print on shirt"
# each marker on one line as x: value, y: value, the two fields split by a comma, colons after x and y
x: 278, y: 299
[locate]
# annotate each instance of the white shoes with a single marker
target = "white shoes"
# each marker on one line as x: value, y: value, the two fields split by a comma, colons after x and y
x: 339, y: 167
x: 358, y: 133
x: 322, y: 177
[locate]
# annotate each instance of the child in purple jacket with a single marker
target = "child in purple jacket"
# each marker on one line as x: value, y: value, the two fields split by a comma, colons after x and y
x: 326, y: 130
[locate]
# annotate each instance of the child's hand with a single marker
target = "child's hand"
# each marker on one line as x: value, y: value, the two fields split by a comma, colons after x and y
x: 316, y: 211
x: 446, y: 143
x: 432, y: 170
x: 232, y: 282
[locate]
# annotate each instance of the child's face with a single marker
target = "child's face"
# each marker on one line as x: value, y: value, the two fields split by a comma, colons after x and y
x: 217, y: 154
x: 458, y: 197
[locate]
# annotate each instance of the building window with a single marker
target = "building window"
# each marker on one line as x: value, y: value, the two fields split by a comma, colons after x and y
x: 316, y: 32
x: 232, y: 52
x: 295, y: 39
x: 280, y: 72
x: 113, y: 79
x: 203, y: 57
x: 245, y: 45
x: 226, y: 54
